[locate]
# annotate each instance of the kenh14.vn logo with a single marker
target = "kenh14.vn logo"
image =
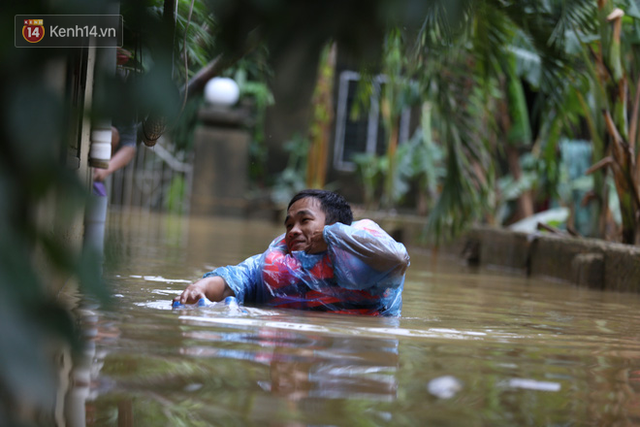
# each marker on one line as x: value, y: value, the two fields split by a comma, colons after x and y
x: 33, y: 30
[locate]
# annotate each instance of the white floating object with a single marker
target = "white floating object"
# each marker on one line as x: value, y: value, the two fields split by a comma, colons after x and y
x: 533, y: 384
x: 192, y: 387
x: 530, y: 224
x: 162, y: 279
x: 444, y: 387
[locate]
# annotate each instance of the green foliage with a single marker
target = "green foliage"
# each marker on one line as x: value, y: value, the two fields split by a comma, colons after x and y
x: 370, y: 169
x: 520, y: 132
x: 183, y: 130
x: 293, y: 177
x: 497, y: 42
x: 461, y: 123
x: 427, y: 155
x: 605, y: 88
x: 510, y: 189
x: 458, y: 204
x: 193, y: 42
x: 419, y: 160
x: 455, y: 62
x: 260, y: 95
x: 397, y: 94
x: 176, y: 195
x: 40, y: 197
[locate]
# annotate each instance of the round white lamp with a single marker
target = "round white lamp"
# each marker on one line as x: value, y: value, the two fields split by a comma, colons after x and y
x: 221, y: 91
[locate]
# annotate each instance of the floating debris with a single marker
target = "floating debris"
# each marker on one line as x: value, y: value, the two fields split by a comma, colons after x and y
x: 444, y: 387
x: 533, y: 384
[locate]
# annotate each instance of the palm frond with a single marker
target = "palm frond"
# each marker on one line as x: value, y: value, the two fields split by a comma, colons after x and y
x: 491, y: 34
x: 444, y: 21
x: 460, y: 123
x: 548, y: 26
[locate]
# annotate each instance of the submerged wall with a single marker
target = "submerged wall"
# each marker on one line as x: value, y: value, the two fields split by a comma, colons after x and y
x: 591, y: 263
x: 584, y: 262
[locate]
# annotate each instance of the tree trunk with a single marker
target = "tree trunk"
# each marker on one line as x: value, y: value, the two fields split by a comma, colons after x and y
x: 525, y: 201
x: 388, y: 196
x: 320, y: 130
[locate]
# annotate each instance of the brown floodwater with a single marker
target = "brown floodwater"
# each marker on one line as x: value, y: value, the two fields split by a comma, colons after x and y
x: 472, y: 348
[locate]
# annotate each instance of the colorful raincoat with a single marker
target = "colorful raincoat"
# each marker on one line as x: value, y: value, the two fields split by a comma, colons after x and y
x: 362, y: 272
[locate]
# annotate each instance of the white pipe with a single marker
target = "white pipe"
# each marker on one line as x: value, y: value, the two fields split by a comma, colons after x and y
x: 100, y: 152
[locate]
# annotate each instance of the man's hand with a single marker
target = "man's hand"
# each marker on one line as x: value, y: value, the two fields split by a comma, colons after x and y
x: 100, y: 175
x: 120, y: 159
x: 191, y: 294
x: 213, y: 287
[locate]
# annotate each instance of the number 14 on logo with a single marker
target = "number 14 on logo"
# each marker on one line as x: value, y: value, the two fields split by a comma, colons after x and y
x: 33, y: 30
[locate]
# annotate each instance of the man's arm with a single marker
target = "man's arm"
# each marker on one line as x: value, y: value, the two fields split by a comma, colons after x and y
x: 237, y: 281
x: 120, y: 159
x: 370, y: 243
x: 365, y: 256
x: 213, y: 287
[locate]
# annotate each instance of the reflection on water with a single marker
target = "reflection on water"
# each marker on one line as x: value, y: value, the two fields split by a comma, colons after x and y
x: 470, y: 349
x: 305, y: 365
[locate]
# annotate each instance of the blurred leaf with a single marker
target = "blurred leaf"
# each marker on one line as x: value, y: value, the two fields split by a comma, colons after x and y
x: 175, y: 198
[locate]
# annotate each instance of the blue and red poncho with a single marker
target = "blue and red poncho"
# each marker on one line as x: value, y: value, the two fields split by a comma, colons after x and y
x: 362, y: 272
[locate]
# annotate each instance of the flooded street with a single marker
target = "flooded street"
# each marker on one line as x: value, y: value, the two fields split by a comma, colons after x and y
x: 469, y: 350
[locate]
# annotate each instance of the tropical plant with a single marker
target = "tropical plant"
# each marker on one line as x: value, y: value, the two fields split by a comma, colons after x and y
x: 292, y: 178
x: 320, y: 128
x: 420, y: 163
x: 251, y: 77
x: 457, y: 61
x: 467, y: 189
x: 471, y: 64
x: 370, y: 168
x: 192, y: 41
x: 609, y: 65
x: 41, y: 265
x: 451, y: 84
x: 396, y: 96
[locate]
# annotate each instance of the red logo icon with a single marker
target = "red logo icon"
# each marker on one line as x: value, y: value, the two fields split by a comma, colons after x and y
x: 33, y: 30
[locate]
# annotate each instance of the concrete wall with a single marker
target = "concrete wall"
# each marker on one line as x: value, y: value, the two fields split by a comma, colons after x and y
x: 591, y: 263
x: 584, y: 262
x: 220, y: 169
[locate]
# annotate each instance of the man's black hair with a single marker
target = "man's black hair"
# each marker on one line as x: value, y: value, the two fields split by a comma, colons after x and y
x: 334, y: 206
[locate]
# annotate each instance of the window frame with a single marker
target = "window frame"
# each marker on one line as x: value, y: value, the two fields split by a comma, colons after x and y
x: 342, y: 117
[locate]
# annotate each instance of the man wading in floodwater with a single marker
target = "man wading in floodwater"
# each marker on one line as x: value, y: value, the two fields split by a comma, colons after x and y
x: 324, y: 262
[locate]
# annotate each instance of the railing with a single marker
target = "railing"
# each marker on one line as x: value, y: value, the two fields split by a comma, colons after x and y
x: 158, y: 179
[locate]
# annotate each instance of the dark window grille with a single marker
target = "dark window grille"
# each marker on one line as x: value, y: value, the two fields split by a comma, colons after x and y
x: 364, y: 134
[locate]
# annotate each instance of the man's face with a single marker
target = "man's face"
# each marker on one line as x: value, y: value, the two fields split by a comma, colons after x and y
x: 304, y: 223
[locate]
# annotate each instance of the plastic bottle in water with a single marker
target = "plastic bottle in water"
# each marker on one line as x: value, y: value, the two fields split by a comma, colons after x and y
x: 202, y: 302
x: 231, y: 302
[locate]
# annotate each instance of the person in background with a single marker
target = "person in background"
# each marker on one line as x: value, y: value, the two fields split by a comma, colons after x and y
x: 124, y: 133
x: 324, y: 262
x: 123, y: 149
